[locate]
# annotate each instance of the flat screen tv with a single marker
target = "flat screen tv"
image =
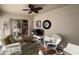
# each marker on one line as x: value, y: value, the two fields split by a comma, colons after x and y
x: 39, y: 32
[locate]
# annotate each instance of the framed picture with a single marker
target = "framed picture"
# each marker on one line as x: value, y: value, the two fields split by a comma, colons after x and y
x: 38, y: 24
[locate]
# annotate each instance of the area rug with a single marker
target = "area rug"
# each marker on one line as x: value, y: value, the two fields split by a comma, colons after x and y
x: 31, y: 49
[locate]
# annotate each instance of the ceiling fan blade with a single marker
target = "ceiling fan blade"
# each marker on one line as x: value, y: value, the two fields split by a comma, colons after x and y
x: 30, y: 12
x: 25, y: 9
x: 38, y: 8
x: 36, y: 11
x: 31, y: 5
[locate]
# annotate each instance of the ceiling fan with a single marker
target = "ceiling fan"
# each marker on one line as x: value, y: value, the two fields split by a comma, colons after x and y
x: 33, y: 8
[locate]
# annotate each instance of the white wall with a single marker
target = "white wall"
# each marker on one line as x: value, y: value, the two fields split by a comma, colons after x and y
x: 65, y: 21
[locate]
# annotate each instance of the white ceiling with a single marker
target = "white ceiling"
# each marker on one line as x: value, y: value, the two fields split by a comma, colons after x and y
x: 17, y: 8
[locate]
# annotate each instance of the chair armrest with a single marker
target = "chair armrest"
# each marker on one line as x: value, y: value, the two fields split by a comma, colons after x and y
x: 14, y: 48
x: 72, y: 49
x: 13, y: 45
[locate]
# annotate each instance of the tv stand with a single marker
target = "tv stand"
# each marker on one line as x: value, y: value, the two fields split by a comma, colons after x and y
x: 38, y: 35
x: 38, y: 39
